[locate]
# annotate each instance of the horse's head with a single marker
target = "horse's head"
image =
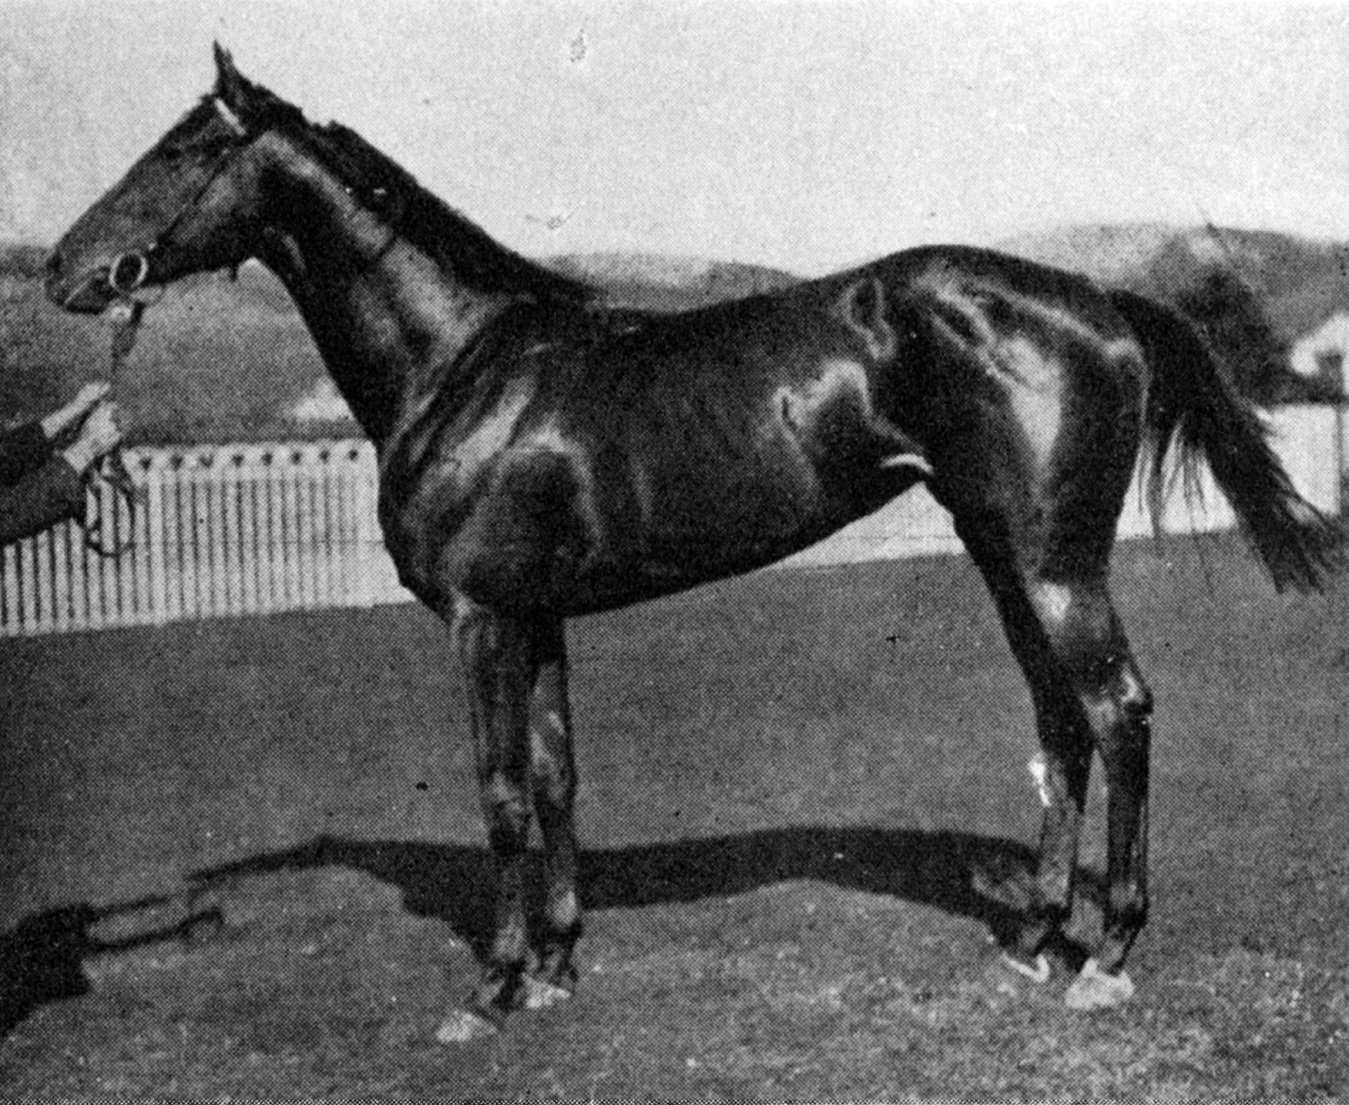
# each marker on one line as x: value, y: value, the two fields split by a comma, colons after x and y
x: 192, y: 203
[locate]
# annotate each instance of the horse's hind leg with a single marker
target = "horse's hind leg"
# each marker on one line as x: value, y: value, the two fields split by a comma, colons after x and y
x: 1119, y: 705
x: 1087, y: 691
x: 1092, y: 646
x: 552, y: 772
x: 1065, y: 741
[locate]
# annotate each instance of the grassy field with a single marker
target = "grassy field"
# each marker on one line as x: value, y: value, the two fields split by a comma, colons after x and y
x: 805, y: 805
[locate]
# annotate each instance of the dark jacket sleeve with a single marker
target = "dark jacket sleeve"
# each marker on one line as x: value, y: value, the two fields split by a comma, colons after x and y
x: 50, y: 494
x: 22, y: 450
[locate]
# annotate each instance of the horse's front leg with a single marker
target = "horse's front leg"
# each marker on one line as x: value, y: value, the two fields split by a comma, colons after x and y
x: 552, y: 771
x: 496, y: 653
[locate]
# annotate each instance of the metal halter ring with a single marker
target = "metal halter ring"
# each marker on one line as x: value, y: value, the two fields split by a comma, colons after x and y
x: 142, y: 270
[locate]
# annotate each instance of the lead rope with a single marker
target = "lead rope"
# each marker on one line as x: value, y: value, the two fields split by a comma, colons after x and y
x: 111, y: 468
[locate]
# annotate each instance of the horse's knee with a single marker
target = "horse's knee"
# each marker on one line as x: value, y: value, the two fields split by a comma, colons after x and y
x: 1089, y: 641
x: 551, y: 771
x: 1132, y: 693
x: 506, y: 808
x: 1117, y: 702
x: 1124, y: 704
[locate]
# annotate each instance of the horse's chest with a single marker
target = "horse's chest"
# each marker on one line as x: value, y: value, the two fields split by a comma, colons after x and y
x: 502, y: 512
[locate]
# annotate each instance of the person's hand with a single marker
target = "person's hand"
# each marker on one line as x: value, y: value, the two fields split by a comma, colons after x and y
x: 99, y: 435
x: 63, y: 418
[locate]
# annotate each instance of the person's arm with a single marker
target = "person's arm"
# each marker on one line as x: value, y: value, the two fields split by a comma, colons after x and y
x: 47, y: 495
x: 22, y: 450
x: 27, y: 448
x: 55, y: 491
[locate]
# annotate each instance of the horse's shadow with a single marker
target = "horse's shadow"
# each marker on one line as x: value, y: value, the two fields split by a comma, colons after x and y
x: 42, y: 958
x: 983, y: 878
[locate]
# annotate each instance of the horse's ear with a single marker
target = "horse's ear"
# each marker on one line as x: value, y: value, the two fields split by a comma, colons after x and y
x: 230, y: 86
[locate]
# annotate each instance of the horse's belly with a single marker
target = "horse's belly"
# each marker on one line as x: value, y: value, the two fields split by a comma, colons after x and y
x: 570, y: 539
x: 575, y: 525
x: 696, y: 525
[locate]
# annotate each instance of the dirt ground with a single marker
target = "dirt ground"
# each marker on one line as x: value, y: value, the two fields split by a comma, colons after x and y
x: 805, y: 806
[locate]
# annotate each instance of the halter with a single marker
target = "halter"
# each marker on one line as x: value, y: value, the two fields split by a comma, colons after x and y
x: 126, y: 275
x: 112, y: 469
x: 128, y: 271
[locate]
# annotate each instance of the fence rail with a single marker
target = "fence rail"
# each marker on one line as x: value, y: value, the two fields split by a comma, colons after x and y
x: 245, y: 529
x: 224, y: 530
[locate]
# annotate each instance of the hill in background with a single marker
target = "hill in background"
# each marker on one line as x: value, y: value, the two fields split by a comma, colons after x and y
x: 229, y: 361
x: 658, y: 283
x: 1300, y: 282
x: 1256, y: 293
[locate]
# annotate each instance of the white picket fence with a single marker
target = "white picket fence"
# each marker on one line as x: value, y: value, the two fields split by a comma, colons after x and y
x: 224, y: 530
x: 250, y: 529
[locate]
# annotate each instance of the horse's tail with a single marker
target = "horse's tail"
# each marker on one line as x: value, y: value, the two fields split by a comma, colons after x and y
x: 1193, y: 405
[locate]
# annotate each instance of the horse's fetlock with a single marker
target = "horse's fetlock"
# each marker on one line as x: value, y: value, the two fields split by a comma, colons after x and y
x: 501, y: 990
x: 1129, y: 902
x: 1128, y: 907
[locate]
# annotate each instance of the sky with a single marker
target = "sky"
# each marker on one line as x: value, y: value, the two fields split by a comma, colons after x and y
x: 807, y: 135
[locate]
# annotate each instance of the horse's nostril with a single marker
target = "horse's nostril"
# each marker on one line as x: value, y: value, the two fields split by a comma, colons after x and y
x: 53, y: 264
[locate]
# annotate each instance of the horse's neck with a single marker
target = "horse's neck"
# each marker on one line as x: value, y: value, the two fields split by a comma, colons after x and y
x: 383, y: 314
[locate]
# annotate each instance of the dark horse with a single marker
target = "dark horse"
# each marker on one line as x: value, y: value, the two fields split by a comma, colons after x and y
x: 542, y: 456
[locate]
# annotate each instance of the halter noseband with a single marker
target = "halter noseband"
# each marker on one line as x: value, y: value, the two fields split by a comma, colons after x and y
x: 140, y: 266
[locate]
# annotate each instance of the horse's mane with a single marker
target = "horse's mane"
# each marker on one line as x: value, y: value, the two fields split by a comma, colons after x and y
x: 426, y: 221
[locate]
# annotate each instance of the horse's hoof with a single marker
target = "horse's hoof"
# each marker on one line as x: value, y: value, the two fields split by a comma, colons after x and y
x: 1094, y: 989
x: 540, y: 993
x: 464, y: 1025
x: 1037, y: 970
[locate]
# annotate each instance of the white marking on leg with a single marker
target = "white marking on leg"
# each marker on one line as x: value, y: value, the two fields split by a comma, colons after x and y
x: 462, y: 1026
x: 540, y: 994
x: 1037, y: 972
x: 1095, y: 989
x: 1039, y: 771
x: 1052, y: 601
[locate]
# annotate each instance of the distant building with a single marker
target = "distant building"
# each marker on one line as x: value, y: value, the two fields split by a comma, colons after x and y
x: 1324, y: 353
